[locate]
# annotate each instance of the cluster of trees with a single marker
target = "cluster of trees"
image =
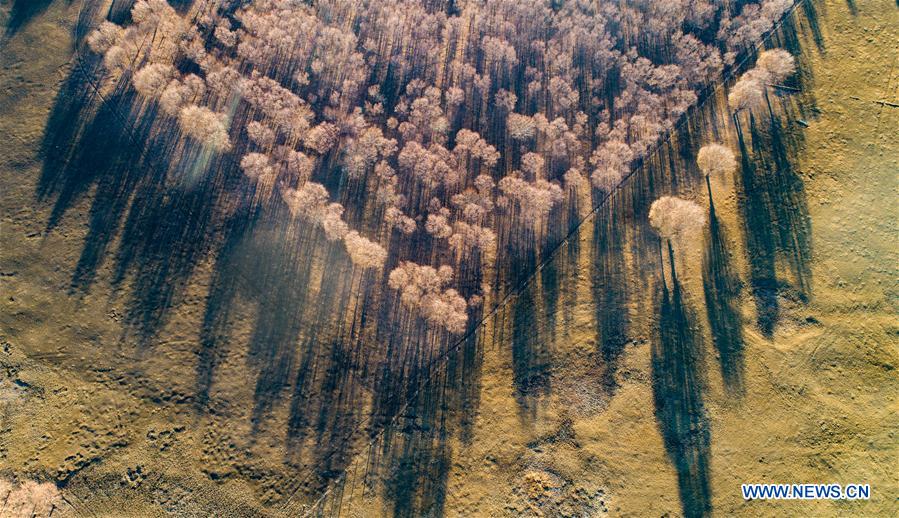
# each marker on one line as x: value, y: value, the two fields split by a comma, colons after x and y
x: 680, y: 222
x: 423, y: 288
x: 310, y: 202
x: 676, y: 219
x: 463, y: 118
x: 771, y: 67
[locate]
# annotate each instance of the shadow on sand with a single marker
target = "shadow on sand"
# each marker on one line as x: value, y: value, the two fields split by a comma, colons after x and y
x: 721, y: 286
x: 610, y: 291
x: 771, y: 198
x: 22, y: 12
x: 678, y: 384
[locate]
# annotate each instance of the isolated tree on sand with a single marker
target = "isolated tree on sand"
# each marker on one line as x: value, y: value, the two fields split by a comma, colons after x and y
x: 721, y: 284
x: 676, y: 220
x: 715, y: 160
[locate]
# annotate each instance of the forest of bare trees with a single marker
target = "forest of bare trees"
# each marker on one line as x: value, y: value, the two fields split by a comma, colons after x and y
x: 465, y: 118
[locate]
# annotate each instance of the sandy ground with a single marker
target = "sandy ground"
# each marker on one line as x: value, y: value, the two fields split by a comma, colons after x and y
x: 111, y: 420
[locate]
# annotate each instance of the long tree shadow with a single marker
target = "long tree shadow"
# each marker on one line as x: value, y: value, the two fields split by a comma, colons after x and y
x: 609, y: 292
x: 810, y: 10
x: 22, y: 12
x: 89, y: 143
x: 775, y: 217
x: 678, y: 385
x: 760, y: 240
x: 408, y: 462
x: 262, y: 263
x: 721, y: 286
x: 788, y: 200
x: 338, y: 409
x: 416, y: 457
x: 413, y: 456
x: 90, y: 9
x: 550, y: 274
x: 266, y: 263
x: 282, y: 281
x: 78, y: 136
x: 464, y: 368
x: 127, y: 175
x: 677, y: 361
x: 103, y: 155
x: 120, y: 11
x: 227, y: 282
x: 531, y: 355
x: 570, y: 273
x: 341, y: 400
x: 170, y: 198
x: 417, y: 404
